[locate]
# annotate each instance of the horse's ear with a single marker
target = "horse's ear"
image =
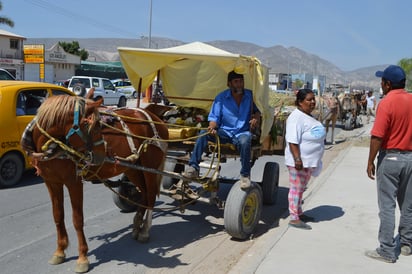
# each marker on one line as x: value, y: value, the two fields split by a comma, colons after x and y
x: 99, y: 102
x: 90, y: 94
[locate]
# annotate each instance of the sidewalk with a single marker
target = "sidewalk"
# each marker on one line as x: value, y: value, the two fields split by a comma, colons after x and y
x: 343, y: 201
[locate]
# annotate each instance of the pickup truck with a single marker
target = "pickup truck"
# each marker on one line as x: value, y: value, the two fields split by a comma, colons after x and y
x: 103, y: 88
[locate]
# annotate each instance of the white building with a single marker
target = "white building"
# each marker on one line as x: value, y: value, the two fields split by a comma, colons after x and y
x: 11, y: 53
x: 58, y: 65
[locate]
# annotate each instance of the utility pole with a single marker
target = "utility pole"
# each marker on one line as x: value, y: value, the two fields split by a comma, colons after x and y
x: 149, y: 40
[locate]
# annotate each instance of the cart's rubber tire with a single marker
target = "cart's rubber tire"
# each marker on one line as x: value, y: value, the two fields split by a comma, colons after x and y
x: 122, y: 102
x: 270, y: 183
x: 129, y: 192
x: 348, y: 122
x: 358, y: 122
x: 79, y: 90
x: 242, y: 210
x: 167, y: 181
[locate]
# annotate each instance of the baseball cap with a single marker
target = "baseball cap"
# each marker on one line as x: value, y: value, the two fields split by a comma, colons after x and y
x: 393, y: 73
x: 233, y: 75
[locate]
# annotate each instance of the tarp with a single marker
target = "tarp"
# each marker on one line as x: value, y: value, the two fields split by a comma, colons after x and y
x: 193, y: 74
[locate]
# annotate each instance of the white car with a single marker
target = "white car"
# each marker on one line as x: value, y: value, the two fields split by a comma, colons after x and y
x: 125, y: 86
x: 103, y: 88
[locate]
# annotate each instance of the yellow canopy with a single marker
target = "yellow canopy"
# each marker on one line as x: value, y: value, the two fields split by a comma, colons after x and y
x: 193, y: 74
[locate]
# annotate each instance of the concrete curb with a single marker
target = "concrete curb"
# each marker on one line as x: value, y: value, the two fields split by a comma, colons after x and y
x: 250, y: 261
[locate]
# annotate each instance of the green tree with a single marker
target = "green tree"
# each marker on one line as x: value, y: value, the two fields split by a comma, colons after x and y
x: 74, y: 48
x: 5, y: 20
x: 406, y: 64
x: 297, y: 84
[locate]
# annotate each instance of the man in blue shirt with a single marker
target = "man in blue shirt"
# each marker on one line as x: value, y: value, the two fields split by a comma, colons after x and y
x: 232, y: 115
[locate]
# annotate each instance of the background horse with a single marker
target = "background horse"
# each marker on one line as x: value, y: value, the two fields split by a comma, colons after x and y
x: 69, y: 145
x: 329, y: 108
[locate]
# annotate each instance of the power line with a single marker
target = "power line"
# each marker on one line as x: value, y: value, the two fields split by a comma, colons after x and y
x: 79, y: 17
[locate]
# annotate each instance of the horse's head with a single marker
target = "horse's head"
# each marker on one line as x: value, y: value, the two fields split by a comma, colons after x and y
x: 75, y: 122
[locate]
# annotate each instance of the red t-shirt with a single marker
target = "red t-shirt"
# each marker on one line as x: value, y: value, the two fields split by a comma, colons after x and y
x: 393, y: 122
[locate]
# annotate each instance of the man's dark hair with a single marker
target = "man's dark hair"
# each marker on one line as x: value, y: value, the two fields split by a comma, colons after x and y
x: 398, y: 85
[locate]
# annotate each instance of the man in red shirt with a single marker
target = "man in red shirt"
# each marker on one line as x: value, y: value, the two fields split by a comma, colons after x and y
x: 391, y: 136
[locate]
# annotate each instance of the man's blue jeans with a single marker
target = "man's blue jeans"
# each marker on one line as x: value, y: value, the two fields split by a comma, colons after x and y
x: 242, y: 143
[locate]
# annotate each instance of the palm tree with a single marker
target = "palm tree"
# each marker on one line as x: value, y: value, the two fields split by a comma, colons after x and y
x: 5, y: 20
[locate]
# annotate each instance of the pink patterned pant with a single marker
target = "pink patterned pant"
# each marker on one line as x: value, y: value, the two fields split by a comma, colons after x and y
x: 298, y: 180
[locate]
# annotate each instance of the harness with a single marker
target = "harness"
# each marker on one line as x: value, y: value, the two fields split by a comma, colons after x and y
x: 135, y: 153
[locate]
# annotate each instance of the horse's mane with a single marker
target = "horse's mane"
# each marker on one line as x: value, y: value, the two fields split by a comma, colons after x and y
x: 57, y: 109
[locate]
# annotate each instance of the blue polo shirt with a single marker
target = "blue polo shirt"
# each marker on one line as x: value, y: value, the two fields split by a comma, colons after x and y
x: 230, y: 117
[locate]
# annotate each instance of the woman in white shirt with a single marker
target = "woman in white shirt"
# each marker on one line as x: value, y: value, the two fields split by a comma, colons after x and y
x: 305, y: 137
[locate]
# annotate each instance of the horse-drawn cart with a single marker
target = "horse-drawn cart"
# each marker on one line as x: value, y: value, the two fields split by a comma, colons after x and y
x: 73, y: 139
x: 192, y: 75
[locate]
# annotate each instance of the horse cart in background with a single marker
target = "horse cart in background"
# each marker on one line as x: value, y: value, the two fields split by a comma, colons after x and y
x: 349, y: 114
x: 191, y: 76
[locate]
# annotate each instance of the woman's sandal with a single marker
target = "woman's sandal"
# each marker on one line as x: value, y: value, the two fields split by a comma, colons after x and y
x: 300, y: 225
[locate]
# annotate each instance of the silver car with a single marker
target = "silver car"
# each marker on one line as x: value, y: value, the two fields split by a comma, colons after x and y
x: 103, y: 88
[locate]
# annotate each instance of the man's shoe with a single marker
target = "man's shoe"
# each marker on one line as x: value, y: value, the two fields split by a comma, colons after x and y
x: 244, y: 182
x: 406, y: 250
x: 299, y: 224
x: 375, y: 255
x: 191, y: 173
x: 306, y: 218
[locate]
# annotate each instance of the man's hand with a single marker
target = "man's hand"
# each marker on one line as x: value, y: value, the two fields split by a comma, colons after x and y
x: 212, y: 128
x: 370, y: 170
x: 254, y: 122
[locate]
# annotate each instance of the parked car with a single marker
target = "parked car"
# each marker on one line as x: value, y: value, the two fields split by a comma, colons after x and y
x: 125, y: 86
x: 5, y: 75
x: 63, y: 83
x: 103, y: 88
x: 19, y: 101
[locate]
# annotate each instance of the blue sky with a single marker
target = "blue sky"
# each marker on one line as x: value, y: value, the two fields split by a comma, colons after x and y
x: 349, y: 33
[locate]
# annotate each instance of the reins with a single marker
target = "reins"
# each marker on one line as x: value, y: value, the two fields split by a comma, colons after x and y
x: 84, y: 161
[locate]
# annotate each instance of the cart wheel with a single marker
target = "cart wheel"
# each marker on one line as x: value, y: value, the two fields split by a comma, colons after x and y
x: 348, y: 122
x: 242, y: 210
x: 270, y: 183
x: 128, y: 191
x: 167, y: 181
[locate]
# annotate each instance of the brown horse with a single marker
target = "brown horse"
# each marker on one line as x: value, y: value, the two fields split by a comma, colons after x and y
x: 69, y: 142
x: 330, y: 112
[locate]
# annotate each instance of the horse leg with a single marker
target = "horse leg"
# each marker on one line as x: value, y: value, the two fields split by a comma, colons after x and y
x: 333, y: 130
x: 144, y: 235
x: 137, y: 223
x: 148, y: 185
x: 327, y: 128
x: 57, y: 199
x: 76, y: 199
x: 137, y: 178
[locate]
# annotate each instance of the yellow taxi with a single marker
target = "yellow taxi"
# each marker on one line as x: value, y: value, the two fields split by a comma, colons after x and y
x: 19, y: 101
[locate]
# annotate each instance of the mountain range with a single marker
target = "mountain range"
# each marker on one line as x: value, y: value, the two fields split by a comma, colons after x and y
x: 278, y: 58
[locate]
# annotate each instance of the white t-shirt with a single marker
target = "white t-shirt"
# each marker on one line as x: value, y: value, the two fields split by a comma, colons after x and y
x: 309, y: 134
x: 370, y: 101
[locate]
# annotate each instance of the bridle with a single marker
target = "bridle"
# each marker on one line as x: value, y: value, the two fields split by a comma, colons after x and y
x: 83, y: 157
x: 76, y: 129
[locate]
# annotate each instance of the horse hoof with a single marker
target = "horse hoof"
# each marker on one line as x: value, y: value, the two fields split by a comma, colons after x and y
x: 135, y: 234
x: 143, y: 238
x: 82, y: 267
x: 57, y: 259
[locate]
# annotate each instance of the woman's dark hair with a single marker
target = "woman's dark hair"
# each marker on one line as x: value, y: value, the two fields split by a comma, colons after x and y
x: 301, y: 95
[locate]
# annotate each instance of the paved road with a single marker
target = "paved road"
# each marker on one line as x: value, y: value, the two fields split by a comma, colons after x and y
x: 193, y: 241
